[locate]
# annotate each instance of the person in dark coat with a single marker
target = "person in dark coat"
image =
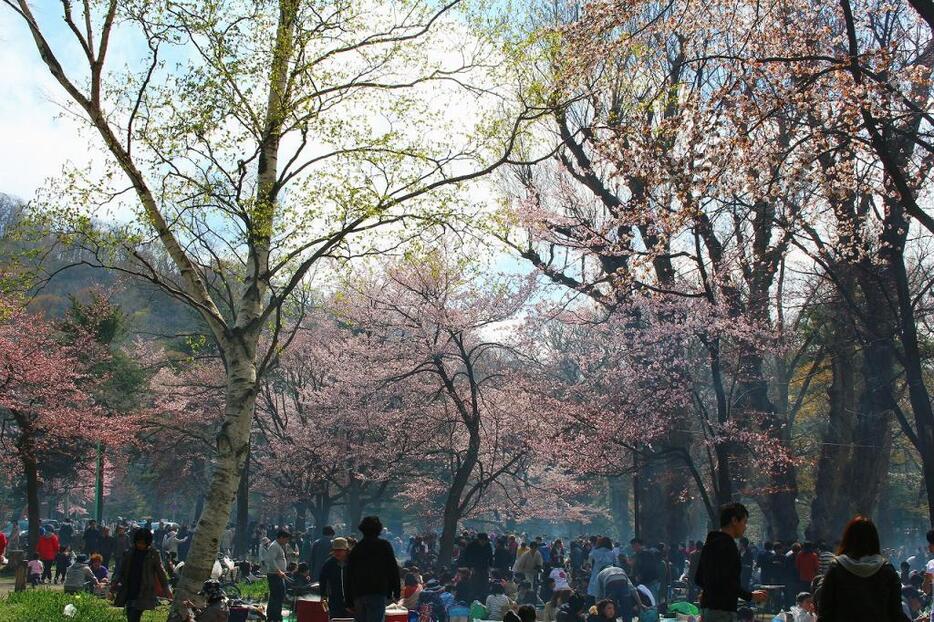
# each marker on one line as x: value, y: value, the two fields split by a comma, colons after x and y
x: 320, y: 551
x: 372, y: 574
x: 719, y: 568
x: 92, y: 538
x: 478, y: 556
x: 331, y: 579
x: 860, y: 585
x: 140, y: 578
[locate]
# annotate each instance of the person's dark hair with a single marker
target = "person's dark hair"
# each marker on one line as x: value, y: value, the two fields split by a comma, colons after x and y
x: 768, y: 546
x: 302, y: 568
x: 370, y: 526
x: 605, y: 543
x: 525, y: 585
x: 328, y: 530
x: 410, y: 580
x: 511, y: 616
x: 497, y: 588
x: 802, y: 596
x: 533, y: 545
x: 282, y: 533
x: 860, y: 539
x: 602, y: 605
x: 526, y: 613
x: 635, y: 541
x: 730, y: 511
x: 142, y: 535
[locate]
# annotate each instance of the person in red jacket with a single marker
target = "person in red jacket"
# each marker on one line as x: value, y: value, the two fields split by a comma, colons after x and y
x: 47, y: 550
x: 3, y: 543
x: 808, y: 565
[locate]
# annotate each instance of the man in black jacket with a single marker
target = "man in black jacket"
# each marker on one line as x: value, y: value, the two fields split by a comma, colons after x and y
x: 719, y: 569
x: 331, y: 579
x: 372, y: 574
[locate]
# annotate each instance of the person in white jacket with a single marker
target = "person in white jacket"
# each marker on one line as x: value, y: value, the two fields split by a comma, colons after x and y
x: 171, y: 541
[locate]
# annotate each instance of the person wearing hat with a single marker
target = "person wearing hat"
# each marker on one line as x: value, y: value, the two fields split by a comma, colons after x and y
x: 331, y: 579
x: 372, y: 578
x: 79, y: 576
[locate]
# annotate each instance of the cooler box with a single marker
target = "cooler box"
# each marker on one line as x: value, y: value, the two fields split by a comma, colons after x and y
x: 397, y: 615
x: 310, y: 609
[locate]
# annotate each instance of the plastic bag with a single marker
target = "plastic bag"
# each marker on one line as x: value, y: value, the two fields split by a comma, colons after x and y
x: 477, y: 610
x: 70, y: 611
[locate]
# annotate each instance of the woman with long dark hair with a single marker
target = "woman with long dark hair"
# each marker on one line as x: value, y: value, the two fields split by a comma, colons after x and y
x: 860, y: 586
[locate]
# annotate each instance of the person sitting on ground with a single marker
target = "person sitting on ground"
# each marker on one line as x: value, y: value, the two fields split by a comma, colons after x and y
x: 34, y: 568
x: 410, y: 591
x: 79, y: 576
x: 603, y: 611
x: 573, y: 610
x: 547, y: 589
x: 550, y: 612
x: 527, y: 595
x: 99, y: 569
x: 497, y: 603
x: 526, y: 613
x: 804, y: 610
x: 215, y: 610
x: 301, y: 580
x: 510, y: 585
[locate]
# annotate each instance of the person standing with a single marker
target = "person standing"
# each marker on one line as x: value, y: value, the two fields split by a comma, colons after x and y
x: 478, y: 556
x: 47, y: 548
x: 184, y: 535
x: 372, y: 573
x: 860, y: 586
x: 331, y: 579
x: 719, y: 568
x: 92, y: 538
x: 140, y: 578
x: 122, y: 542
x: 274, y: 561
x: 320, y: 551
x: 108, y: 546
x: 66, y: 533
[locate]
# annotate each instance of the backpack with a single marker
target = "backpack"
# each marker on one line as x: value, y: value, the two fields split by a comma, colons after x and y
x: 431, y: 607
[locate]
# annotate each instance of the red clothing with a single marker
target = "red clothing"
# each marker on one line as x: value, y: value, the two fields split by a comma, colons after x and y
x: 3, y: 543
x: 808, y: 565
x: 48, y: 548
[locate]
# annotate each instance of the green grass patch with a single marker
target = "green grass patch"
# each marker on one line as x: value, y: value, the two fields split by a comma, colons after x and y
x: 257, y: 591
x: 49, y: 606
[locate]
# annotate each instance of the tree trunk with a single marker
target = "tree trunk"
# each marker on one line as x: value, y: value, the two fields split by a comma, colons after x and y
x: 199, y: 508
x: 31, y: 473
x: 242, y: 544
x: 619, y: 507
x: 233, y: 446
x: 661, y: 512
x: 301, y: 512
x: 832, y: 503
x: 26, y: 445
x: 321, y: 512
x: 353, y: 505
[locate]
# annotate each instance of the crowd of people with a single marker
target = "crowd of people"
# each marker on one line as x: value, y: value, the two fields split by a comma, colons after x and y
x: 509, y: 578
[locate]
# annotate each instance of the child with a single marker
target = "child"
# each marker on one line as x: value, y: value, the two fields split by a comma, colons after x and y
x: 35, y: 571
x: 63, y: 560
x: 497, y: 603
x: 804, y: 609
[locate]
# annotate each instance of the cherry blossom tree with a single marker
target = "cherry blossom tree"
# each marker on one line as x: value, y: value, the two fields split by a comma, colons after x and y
x: 44, y: 397
x: 474, y: 420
